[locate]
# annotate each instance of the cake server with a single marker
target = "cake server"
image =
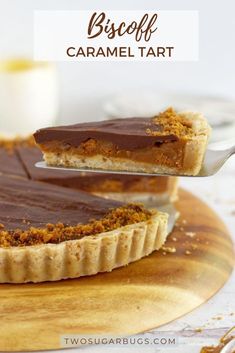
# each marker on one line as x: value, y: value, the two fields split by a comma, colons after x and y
x: 214, y: 159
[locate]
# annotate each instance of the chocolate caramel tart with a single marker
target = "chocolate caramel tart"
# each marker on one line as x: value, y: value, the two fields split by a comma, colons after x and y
x: 167, y: 143
x: 49, y: 232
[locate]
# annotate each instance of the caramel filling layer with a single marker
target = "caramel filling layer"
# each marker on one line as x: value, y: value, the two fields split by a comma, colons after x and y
x: 169, y: 154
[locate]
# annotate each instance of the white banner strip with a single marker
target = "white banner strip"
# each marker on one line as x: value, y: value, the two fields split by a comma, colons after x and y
x: 116, y: 35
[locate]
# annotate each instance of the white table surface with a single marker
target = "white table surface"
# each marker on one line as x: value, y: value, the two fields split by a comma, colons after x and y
x: 217, y: 315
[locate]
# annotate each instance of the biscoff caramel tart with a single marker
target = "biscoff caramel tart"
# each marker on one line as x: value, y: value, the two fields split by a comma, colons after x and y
x: 49, y: 232
x: 169, y: 143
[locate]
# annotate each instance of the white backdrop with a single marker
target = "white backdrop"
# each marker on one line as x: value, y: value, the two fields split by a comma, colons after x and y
x: 83, y: 87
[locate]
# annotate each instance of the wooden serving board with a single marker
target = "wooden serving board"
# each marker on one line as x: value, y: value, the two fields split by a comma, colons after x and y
x: 139, y: 297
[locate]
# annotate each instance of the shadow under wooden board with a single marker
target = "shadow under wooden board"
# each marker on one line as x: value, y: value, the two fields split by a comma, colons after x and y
x: 195, y: 264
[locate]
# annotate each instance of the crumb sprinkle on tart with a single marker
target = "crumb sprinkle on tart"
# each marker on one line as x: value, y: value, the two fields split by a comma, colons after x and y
x: 171, y: 122
x: 57, y: 233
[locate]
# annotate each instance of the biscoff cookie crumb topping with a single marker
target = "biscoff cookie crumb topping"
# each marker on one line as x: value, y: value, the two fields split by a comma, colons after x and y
x: 171, y: 123
x: 57, y: 233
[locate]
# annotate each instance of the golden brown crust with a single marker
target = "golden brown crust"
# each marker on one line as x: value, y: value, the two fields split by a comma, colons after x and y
x: 87, y: 256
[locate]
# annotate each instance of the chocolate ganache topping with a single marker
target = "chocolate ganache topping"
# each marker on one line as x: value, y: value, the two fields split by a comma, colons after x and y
x: 26, y: 203
x: 130, y: 133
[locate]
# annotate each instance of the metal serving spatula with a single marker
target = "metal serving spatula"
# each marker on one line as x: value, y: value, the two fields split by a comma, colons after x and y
x: 213, y: 161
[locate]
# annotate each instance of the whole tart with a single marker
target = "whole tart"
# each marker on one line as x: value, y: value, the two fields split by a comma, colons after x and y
x: 48, y: 233
x: 171, y: 143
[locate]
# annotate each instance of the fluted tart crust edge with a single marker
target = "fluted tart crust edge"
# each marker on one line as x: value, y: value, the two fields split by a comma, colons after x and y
x: 86, y: 256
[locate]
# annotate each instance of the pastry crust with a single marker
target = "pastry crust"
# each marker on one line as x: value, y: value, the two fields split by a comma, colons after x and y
x: 196, y: 146
x: 86, y: 256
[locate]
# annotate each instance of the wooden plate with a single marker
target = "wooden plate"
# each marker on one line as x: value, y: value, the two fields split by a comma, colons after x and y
x: 141, y: 296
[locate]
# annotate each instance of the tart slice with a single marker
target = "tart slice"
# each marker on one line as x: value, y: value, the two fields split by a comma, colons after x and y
x: 171, y: 143
x: 48, y: 232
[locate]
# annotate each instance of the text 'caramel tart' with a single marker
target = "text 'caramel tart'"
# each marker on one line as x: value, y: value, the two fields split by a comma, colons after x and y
x: 171, y: 143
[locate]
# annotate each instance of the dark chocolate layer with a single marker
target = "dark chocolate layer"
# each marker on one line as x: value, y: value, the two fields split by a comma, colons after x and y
x: 127, y: 133
x: 27, y: 203
x: 10, y: 163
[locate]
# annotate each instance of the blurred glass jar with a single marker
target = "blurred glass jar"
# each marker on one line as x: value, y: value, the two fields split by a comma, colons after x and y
x: 28, y: 96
